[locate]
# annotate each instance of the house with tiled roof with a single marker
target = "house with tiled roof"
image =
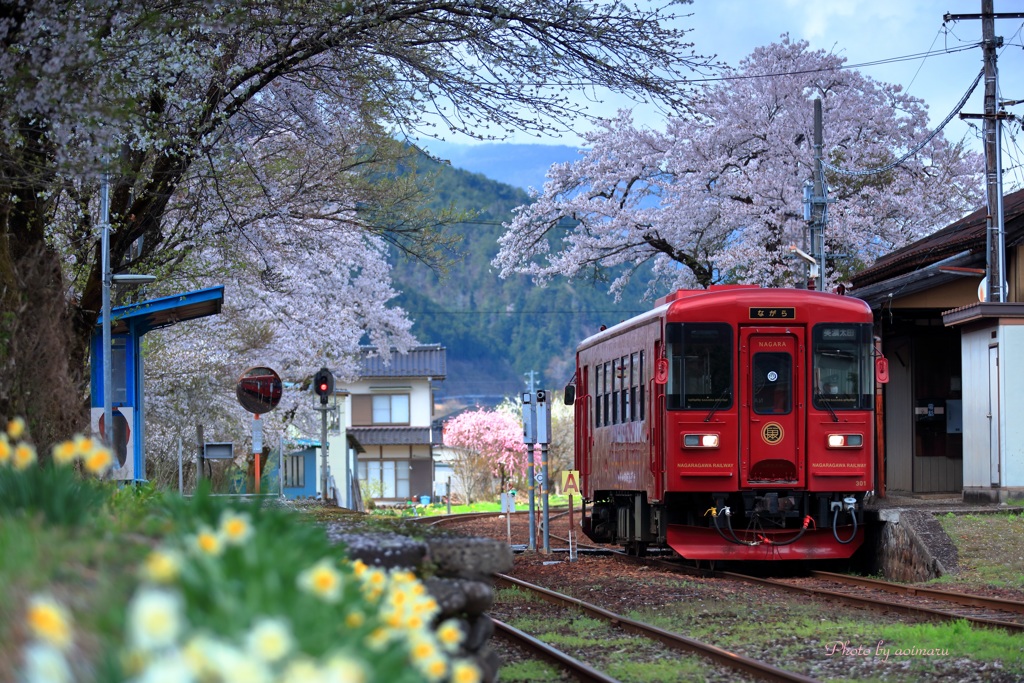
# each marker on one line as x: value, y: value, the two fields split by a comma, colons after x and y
x: 390, y: 412
x: 956, y: 362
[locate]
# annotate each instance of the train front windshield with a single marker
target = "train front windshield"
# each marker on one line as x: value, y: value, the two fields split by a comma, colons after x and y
x: 843, y: 370
x: 700, y: 366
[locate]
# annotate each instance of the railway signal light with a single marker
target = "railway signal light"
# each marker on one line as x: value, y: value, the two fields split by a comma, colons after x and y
x: 323, y: 384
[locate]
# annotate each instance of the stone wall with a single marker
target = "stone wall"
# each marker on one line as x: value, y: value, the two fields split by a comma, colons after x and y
x: 912, y: 546
x: 458, y: 572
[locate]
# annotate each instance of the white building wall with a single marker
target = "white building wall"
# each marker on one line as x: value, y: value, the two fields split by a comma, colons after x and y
x: 1011, y: 359
x: 420, y: 396
x: 974, y: 371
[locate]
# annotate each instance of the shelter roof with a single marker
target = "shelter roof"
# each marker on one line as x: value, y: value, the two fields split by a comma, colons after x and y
x: 153, y: 314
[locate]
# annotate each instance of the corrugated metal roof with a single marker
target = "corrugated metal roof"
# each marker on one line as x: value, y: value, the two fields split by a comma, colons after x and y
x: 427, y: 360
x: 965, y: 235
x: 391, y: 436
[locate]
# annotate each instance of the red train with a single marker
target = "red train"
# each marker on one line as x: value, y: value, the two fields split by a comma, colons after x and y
x: 735, y: 423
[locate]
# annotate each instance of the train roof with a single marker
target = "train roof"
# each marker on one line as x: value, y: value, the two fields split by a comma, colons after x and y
x: 718, y: 297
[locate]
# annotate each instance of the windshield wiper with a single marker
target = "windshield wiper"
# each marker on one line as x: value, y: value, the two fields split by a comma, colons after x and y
x: 825, y: 402
x: 718, y: 402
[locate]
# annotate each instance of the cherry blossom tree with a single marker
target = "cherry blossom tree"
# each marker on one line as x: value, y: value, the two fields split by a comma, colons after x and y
x: 170, y: 99
x: 487, y: 444
x: 717, y: 195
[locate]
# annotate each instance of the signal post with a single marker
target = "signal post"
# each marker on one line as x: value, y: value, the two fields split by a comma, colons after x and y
x: 537, y: 430
x: 323, y: 385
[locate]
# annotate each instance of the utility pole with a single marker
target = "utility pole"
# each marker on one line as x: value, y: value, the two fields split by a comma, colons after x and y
x: 818, y: 201
x: 995, y: 268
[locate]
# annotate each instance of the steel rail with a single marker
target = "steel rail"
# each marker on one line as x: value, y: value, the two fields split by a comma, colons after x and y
x: 581, y: 671
x: 873, y: 603
x: 965, y: 599
x: 919, y: 611
x: 733, y: 660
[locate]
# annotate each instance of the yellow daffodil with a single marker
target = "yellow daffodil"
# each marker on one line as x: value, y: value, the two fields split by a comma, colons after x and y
x: 65, y: 453
x: 155, y: 618
x: 322, y: 580
x: 450, y: 635
x: 235, y: 527
x: 24, y: 456
x: 5, y: 450
x: 98, y: 460
x: 374, y: 581
x: 208, y: 542
x: 236, y: 666
x: 434, y: 668
x: 379, y: 638
x: 269, y: 640
x: 355, y: 619
x: 346, y: 668
x: 301, y: 670
x: 162, y: 566
x: 45, y: 664
x: 197, y: 652
x: 49, y: 622
x: 16, y: 428
x: 422, y: 649
x: 464, y: 671
x: 168, y: 667
x: 84, y: 445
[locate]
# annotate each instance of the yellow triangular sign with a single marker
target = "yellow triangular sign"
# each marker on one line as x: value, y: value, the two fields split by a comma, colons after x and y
x: 571, y: 482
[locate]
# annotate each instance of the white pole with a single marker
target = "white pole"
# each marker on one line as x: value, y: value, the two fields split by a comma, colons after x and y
x: 108, y: 419
x: 181, y: 476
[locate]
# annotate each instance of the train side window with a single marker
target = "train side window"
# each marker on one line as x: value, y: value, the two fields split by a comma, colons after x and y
x: 634, y: 382
x: 627, y: 381
x: 700, y: 366
x: 616, y: 386
x: 607, y: 389
x: 643, y: 384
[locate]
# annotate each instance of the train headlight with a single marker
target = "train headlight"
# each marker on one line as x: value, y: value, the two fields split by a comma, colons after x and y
x: 845, y: 440
x: 700, y: 440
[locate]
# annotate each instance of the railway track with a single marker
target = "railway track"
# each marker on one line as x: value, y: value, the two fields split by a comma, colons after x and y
x: 924, y: 603
x: 921, y: 603
x: 720, y: 657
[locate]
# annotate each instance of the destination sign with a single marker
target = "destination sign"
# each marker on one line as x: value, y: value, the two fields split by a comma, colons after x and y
x: 771, y: 313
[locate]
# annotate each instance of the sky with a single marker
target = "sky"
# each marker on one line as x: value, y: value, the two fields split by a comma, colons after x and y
x: 865, y: 32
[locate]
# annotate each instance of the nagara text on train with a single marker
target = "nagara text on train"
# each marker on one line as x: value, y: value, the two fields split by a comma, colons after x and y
x: 733, y: 423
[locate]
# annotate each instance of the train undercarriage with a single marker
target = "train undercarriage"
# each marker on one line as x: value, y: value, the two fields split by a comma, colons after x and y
x: 748, y: 525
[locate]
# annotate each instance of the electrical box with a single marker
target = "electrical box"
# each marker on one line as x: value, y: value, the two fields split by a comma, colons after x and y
x: 223, y: 450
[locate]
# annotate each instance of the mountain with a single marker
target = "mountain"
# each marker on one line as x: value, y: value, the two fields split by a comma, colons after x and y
x: 519, y: 165
x: 497, y: 331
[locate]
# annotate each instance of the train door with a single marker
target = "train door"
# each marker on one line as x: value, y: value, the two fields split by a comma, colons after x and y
x: 772, y: 401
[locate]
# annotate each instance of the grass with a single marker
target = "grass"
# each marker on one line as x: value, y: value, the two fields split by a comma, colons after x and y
x: 991, y: 548
x: 433, y: 509
x: 803, y: 631
x: 528, y: 671
x: 609, y: 649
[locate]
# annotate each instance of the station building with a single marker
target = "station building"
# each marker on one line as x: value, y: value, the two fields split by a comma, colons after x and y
x: 955, y: 395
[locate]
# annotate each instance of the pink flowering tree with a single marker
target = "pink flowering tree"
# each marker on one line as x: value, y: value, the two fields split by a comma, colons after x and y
x: 717, y: 196
x: 176, y: 103
x: 486, y: 444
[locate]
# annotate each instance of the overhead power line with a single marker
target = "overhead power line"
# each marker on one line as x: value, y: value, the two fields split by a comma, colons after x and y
x: 915, y: 150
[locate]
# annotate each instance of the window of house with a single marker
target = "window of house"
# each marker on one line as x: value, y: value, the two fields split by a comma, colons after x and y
x: 386, y: 478
x: 391, y: 409
x: 295, y: 472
